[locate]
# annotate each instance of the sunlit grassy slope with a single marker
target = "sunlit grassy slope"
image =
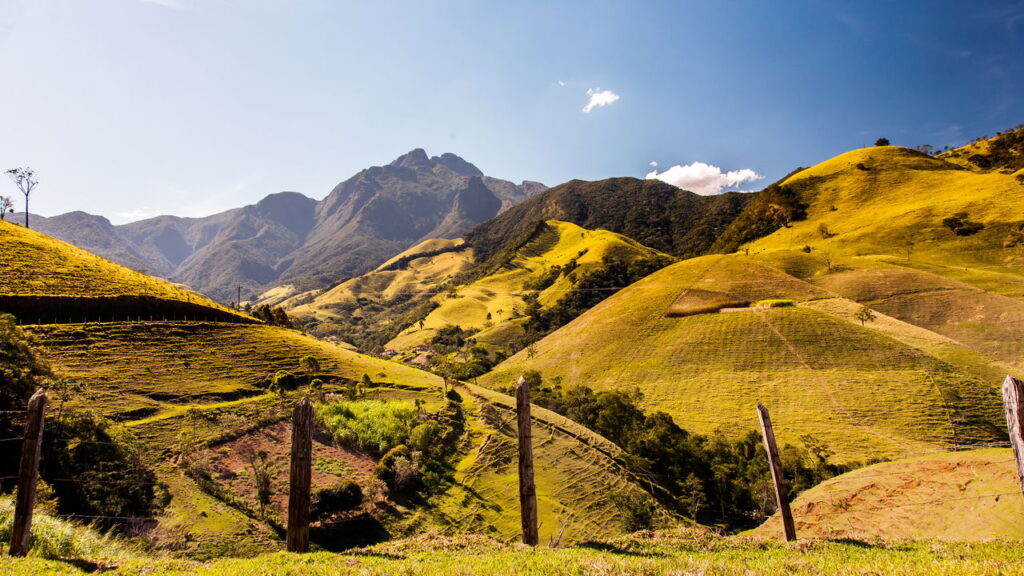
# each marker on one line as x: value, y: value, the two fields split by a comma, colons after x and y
x: 869, y: 391
x: 150, y: 374
x: 35, y: 264
x: 494, y: 304
x: 678, y: 552
x: 922, y: 375
x: 414, y: 275
x: 955, y: 496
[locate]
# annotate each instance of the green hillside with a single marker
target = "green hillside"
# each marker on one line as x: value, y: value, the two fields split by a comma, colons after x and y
x: 866, y: 228
x: 547, y: 267
x: 956, y: 496
x: 35, y: 264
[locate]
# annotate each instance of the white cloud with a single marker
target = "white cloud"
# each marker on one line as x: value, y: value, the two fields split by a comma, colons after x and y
x: 563, y: 83
x: 599, y: 98
x: 704, y: 179
x: 653, y: 164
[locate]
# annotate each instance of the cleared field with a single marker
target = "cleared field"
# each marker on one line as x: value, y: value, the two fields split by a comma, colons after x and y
x: 956, y: 496
x: 862, y: 391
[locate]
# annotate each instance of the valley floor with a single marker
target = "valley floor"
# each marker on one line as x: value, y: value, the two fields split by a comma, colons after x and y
x: 641, y: 554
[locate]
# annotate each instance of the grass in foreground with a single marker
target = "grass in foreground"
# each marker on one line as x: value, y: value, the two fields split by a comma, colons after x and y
x: 689, y: 552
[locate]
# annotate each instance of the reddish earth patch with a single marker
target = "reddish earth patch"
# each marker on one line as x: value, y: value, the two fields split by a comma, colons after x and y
x: 332, y: 464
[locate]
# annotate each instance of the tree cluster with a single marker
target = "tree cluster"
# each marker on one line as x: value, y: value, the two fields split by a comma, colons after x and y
x: 715, y: 479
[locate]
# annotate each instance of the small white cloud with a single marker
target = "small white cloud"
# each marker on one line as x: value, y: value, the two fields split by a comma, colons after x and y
x: 653, y: 164
x: 599, y: 98
x: 704, y: 179
x: 563, y: 83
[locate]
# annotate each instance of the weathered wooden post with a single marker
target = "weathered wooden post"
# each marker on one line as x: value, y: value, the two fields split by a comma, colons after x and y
x: 31, y: 447
x: 301, y: 474
x: 527, y: 489
x: 1013, y: 402
x: 775, y: 464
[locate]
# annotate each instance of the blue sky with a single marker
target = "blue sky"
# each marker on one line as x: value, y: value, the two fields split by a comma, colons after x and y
x: 129, y: 107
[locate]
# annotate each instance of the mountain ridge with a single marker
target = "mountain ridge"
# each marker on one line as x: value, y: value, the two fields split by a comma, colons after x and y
x: 289, y: 238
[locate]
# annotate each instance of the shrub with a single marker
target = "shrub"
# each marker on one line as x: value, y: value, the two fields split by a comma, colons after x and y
x: 637, y: 509
x: 961, y: 226
x: 341, y: 497
x: 283, y: 381
x: 773, y: 303
x: 371, y: 425
x: 882, y: 142
x: 427, y: 437
x: 399, y: 468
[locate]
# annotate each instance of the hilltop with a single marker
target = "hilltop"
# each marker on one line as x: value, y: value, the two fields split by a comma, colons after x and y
x: 958, y: 496
x: 865, y: 228
x: 288, y: 238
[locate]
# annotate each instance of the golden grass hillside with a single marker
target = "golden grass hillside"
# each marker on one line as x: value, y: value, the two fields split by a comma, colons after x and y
x: 408, y: 278
x: 494, y: 304
x: 956, y: 496
x: 884, y: 389
x: 151, y: 376
x: 35, y: 264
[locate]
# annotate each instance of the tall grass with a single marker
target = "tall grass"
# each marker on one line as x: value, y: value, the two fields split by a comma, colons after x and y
x: 372, y: 425
x: 55, y: 538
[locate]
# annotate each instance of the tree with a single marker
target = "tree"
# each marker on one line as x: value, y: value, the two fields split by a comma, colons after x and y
x: 25, y: 179
x: 882, y: 142
x: 22, y: 367
x: 865, y: 314
x: 262, y: 476
x: 926, y: 149
x: 6, y: 206
x: 310, y: 366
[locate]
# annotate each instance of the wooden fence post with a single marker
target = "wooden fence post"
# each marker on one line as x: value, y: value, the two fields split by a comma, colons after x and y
x: 1013, y: 402
x: 527, y: 489
x: 301, y: 473
x: 31, y: 447
x: 775, y: 464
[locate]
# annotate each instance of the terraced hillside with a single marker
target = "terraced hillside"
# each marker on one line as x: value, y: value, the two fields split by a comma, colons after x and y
x: 381, y: 300
x: 958, y: 496
x: 867, y: 391
x: 548, y: 266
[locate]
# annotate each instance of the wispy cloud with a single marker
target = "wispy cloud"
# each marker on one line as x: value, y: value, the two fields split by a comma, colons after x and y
x: 704, y: 179
x: 599, y: 98
x: 653, y: 164
x: 563, y: 83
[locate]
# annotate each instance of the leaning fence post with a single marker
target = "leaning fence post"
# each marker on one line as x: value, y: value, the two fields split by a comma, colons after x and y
x: 301, y: 472
x: 1013, y: 402
x: 775, y: 464
x: 527, y: 489
x: 31, y: 447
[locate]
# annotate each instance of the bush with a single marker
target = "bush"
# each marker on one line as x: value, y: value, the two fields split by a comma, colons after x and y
x: 773, y: 303
x: 961, y: 226
x: 637, y: 509
x: 882, y: 142
x: 341, y: 497
x: 427, y: 437
x: 399, y: 468
x: 283, y: 381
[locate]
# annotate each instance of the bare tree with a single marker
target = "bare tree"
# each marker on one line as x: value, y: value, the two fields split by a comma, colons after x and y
x: 6, y: 206
x: 26, y: 180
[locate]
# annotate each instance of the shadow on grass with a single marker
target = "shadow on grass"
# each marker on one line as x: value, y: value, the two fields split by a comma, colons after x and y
x: 355, y: 532
x: 606, y: 547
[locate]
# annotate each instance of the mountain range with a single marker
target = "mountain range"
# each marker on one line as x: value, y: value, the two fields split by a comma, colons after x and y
x: 288, y: 238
